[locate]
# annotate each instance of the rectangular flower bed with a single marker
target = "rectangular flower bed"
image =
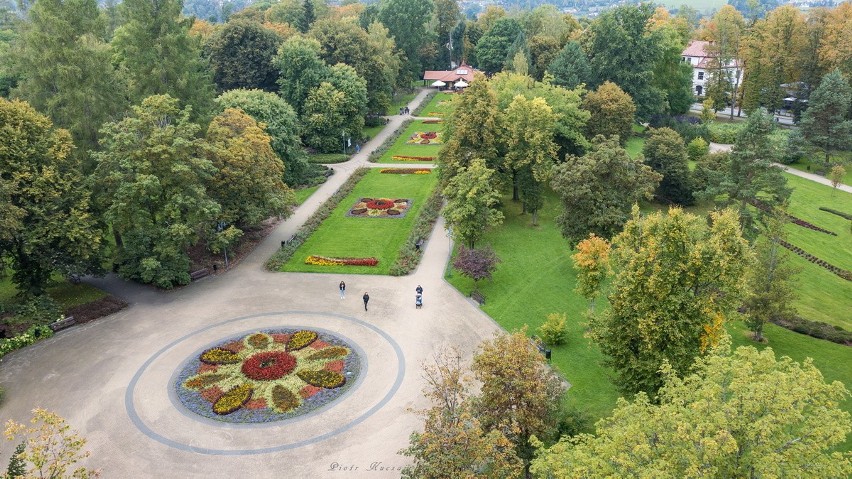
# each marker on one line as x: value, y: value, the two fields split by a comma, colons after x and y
x: 406, y: 171
x: 380, y: 208
x: 412, y: 158
x: 318, y: 260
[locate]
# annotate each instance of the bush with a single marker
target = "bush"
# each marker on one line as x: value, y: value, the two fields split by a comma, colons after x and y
x: 795, y: 148
x: 38, y: 310
x: 725, y: 133
x: 476, y: 264
x: 389, y: 141
x: 708, y: 167
x: 32, y: 335
x: 324, y: 211
x: 688, y: 127
x: 553, y: 331
x: 816, y: 329
x: 409, y: 255
x: 697, y: 148
x: 572, y: 421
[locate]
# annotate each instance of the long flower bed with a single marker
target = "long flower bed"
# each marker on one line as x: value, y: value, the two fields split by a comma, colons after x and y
x: 318, y: 260
x: 380, y: 208
x: 267, y: 375
x: 406, y: 171
x: 432, y: 122
x: 425, y: 138
x: 412, y: 158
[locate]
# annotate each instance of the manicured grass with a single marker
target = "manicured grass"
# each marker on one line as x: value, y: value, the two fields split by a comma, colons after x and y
x: 440, y: 105
x: 328, y: 158
x: 536, y: 277
x: 303, y: 194
x: 400, y: 100
x: 814, y: 164
x: 370, y: 132
x: 400, y: 147
x: 64, y: 293
x: 634, y: 146
x: 352, y: 237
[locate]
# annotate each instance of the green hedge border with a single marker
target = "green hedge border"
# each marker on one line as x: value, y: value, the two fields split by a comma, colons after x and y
x: 409, y: 256
x: 277, y: 260
x: 389, y: 141
x: 816, y: 329
x: 426, y: 100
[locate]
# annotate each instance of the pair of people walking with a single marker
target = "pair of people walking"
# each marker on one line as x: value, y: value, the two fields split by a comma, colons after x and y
x: 342, y: 288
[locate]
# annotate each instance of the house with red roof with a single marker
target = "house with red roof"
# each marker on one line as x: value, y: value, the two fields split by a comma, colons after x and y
x: 701, y: 60
x: 450, y: 78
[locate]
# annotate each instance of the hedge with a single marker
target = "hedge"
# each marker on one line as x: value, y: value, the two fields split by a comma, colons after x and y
x: 409, y: 255
x: 815, y: 329
x: 389, y: 141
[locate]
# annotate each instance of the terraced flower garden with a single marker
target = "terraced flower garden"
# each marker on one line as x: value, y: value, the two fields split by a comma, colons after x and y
x: 267, y: 376
x: 350, y: 239
x: 419, y: 143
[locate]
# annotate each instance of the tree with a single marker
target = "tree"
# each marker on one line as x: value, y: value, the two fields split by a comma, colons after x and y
x: 241, y: 55
x: 770, y: 292
x: 676, y: 282
x: 591, y: 261
x: 476, y: 264
x: 493, y: 47
x: 64, y: 70
x: 471, y: 197
x: 52, y: 447
x: 836, y: 48
x: 672, y: 76
x: 248, y: 185
x: 447, y: 16
x: 529, y: 130
x: 472, y: 130
x: 406, y: 20
x: 570, y: 68
x: 280, y: 123
x: 598, y: 189
x: 836, y: 175
x: 335, y: 110
x: 612, y: 112
x: 158, y: 57
x: 726, y: 33
x: 543, y: 51
x: 621, y: 51
x: 151, y: 173
x: 47, y: 221
x: 301, y: 70
x: 453, y: 442
x: 382, y: 70
x: 740, y: 414
x: 825, y: 123
x: 520, y: 393
x: 308, y: 16
x: 666, y: 154
x: 748, y: 175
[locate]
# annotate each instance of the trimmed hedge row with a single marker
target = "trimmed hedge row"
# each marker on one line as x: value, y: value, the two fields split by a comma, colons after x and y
x: 815, y: 329
x: 410, y: 254
x: 426, y: 100
x: 389, y: 141
x: 838, y: 213
x: 324, y: 211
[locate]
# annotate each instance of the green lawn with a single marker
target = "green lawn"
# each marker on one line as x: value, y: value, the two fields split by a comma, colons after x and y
x: 328, y: 158
x: 634, y: 145
x: 401, y: 147
x: 536, y: 277
x: 303, y: 194
x: 344, y: 236
x: 440, y: 105
x: 811, y: 166
x: 370, y: 132
x: 67, y: 295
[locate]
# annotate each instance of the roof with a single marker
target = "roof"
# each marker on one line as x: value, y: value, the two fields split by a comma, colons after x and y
x: 696, y: 48
x: 463, y: 72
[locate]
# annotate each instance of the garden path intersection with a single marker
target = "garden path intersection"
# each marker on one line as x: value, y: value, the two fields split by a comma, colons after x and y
x: 113, y: 379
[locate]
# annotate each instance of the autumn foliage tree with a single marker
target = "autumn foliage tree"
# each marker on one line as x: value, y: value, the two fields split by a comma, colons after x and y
x: 612, y: 112
x: 476, y: 264
x: 592, y: 264
x: 676, y: 281
x: 740, y: 414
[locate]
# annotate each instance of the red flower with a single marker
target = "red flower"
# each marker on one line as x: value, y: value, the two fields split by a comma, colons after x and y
x: 268, y: 365
x: 255, y: 404
x: 212, y: 394
x: 336, y: 366
x: 206, y: 368
x: 380, y: 204
x: 309, y: 391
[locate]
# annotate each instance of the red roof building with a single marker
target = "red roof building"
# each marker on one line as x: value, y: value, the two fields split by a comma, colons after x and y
x: 449, y: 77
x: 700, y: 59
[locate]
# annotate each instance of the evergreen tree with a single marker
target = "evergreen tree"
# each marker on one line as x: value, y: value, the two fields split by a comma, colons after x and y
x: 571, y: 67
x: 826, y: 124
x: 665, y: 153
x: 308, y: 16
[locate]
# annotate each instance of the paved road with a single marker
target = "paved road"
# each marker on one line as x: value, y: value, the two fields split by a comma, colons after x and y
x: 111, y: 378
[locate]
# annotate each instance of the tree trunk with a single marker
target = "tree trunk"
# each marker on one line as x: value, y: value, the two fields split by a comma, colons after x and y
x: 515, y: 195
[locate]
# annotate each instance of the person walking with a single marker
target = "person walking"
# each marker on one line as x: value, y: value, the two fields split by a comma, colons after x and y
x: 419, y: 289
x: 366, y: 300
x: 342, y: 290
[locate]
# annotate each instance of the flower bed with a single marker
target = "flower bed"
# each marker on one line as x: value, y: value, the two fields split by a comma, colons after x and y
x: 412, y: 158
x: 406, y: 171
x: 267, y: 375
x: 425, y: 138
x: 793, y: 219
x: 318, y: 260
x: 380, y: 208
x: 432, y: 122
x: 847, y: 275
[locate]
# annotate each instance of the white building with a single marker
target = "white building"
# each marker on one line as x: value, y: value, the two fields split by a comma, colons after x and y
x: 696, y: 55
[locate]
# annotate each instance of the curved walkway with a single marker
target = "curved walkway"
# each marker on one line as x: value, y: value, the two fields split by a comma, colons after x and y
x: 111, y: 378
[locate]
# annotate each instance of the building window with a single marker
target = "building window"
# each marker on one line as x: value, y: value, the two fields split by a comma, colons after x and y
x: 700, y: 75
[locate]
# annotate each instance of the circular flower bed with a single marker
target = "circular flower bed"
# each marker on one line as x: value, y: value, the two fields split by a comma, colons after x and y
x: 267, y: 376
x: 380, y: 208
x: 380, y: 204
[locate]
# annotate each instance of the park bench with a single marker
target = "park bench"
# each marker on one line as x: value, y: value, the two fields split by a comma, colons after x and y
x: 478, y: 297
x: 196, y: 275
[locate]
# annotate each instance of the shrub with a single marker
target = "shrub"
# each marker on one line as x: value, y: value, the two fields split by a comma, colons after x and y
x: 688, y: 127
x: 476, y: 264
x: 816, y: 329
x: 572, y: 421
x: 37, y: 310
x: 697, y: 148
x: 725, y: 133
x: 553, y: 331
x: 409, y: 255
x: 796, y: 148
x: 35, y: 333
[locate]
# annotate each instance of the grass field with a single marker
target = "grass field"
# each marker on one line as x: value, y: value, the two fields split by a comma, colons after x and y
x: 810, y: 166
x: 67, y: 295
x: 352, y: 237
x: 536, y: 277
x: 400, y: 100
x: 400, y: 147
x: 440, y: 105
x: 370, y: 132
x: 303, y: 194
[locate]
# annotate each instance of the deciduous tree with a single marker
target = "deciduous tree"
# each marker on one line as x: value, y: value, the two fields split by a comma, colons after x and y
x: 301, y: 70
x: 241, y: 55
x: 493, y: 47
x: 740, y: 414
x: 335, y: 111
x: 471, y: 199
x: 407, y: 22
x: 726, y: 33
x: 676, y: 282
x: 472, y: 130
x: 45, y: 213
x: 598, y: 189
x: 591, y: 261
x: 476, y: 264
x: 666, y: 154
x: 612, y: 112
x: 152, y: 174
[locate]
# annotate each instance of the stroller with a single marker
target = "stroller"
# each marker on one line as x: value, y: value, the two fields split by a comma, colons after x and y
x: 418, y: 301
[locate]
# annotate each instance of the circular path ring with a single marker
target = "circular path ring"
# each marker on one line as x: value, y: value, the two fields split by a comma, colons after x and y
x: 145, y: 429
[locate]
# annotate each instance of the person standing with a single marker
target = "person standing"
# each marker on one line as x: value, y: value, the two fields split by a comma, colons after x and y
x: 366, y: 300
x: 419, y: 289
x: 342, y: 290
